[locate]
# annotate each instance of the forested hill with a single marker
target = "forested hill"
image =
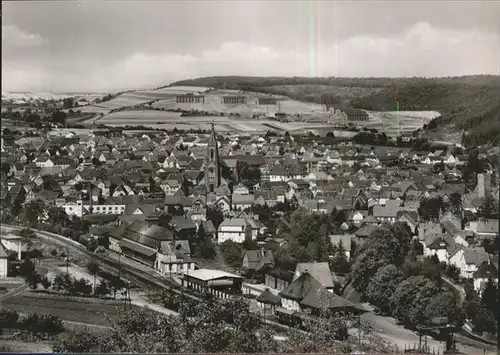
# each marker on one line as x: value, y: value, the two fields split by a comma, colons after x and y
x: 469, y: 103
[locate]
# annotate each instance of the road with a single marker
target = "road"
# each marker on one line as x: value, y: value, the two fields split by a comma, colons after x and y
x: 388, y: 329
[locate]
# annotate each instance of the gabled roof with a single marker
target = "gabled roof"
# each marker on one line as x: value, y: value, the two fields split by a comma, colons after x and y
x: 476, y: 256
x: 3, y: 252
x: 320, y: 271
x: 300, y: 287
x: 268, y: 297
x: 323, y: 299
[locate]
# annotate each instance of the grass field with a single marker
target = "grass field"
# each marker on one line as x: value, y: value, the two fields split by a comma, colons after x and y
x: 75, y: 311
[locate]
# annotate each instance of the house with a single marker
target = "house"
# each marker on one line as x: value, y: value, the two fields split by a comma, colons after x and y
x: 410, y: 218
x: 15, y: 243
x: 254, y: 260
x: 4, y: 262
x: 438, y: 244
x: 484, y: 228
x: 276, y: 278
x: 387, y: 210
x: 469, y: 260
x: 183, y: 228
x: 172, y: 259
x: 235, y: 229
x: 320, y: 271
x: 242, y: 202
x: 142, y: 240
x: 268, y: 300
x: 241, y: 189
x: 306, y: 294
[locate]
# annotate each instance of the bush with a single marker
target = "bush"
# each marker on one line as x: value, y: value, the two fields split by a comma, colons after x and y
x: 8, y: 318
x: 42, y: 325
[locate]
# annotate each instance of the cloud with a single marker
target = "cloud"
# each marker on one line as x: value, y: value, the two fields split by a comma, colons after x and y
x: 15, y: 37
x: 421, y: 51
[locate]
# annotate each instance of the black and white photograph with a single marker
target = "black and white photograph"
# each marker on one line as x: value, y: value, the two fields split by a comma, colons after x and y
x: 250, y: 176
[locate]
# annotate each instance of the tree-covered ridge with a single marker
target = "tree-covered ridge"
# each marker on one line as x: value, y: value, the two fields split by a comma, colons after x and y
x: 238, y: 82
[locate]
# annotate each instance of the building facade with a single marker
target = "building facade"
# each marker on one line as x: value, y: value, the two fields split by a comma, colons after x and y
x: 234, y: 99
x: 190, y: 99
x: 267, y: 101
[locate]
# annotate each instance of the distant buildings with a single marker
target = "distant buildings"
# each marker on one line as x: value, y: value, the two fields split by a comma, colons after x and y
x: 234, y: 99
x: 190, y: 99
x: 265, y: 101
x: 349, y: 114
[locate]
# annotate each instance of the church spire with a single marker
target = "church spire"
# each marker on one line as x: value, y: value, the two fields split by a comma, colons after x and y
x: 212, y: 169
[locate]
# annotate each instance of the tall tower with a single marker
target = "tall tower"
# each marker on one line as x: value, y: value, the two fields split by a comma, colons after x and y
x: 483, y: 185
x: 212, y: 166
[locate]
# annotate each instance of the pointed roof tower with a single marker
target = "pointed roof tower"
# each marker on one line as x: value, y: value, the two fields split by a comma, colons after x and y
x: 213, y: 137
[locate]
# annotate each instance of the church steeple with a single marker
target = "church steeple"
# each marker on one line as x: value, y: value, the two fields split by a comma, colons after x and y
x: 212, y: 166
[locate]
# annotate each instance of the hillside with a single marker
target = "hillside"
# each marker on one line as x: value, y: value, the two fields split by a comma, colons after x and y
x: 469, y: 103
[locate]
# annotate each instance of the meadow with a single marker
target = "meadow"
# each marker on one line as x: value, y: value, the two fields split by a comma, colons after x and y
x: 69, y: 310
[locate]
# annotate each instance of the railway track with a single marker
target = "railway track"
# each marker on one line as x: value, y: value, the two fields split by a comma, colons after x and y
x: 136, y: 274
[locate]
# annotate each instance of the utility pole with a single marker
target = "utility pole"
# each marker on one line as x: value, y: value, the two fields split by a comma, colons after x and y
x: 67, y: 261
x: 119, y: 265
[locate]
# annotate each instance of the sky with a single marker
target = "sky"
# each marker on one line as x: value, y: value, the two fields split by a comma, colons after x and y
x: 107, y: 46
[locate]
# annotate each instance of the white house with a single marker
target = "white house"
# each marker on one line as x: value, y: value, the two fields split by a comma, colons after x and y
x: 4, y: 262
x: 235, y: 229
x: 468, y: 260
x: 77, y: 208
x: 172, y: 261
x: 14, y: 243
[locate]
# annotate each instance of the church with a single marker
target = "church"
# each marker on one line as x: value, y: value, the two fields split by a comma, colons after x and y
x: 212, y: 168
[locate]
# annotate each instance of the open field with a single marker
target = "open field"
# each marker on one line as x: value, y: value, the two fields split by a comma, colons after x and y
x: 391, y: 123
x: 69, y: 310
x: 403, y: 122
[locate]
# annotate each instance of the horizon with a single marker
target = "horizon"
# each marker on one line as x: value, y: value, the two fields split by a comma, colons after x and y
x: 246, y: 76
x: 103, y: 46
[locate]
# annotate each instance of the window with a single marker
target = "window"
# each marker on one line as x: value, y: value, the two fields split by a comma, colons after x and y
x: 211, y: 154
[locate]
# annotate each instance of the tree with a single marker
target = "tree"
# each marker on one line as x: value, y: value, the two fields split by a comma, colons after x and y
x: 339, y: 263
x: 58, y: 216
x: 430, y: 208
x: 58, y: 117
x: 68, y: 102
x: 42, y: 325
x: 233, y: 253
x: 215, y: 215
x: 444, y: 304
x: 30, y: 274
x: 388, y: 244
x: 33, y: 211
x: 58, y: 282
x: 93, y: 268
x: 410, y: 299
x: 489, y: 297
x: 330, y: 135
x: 102, y: 290
x: 383, y: 285
x: 77, y: 342
x: 81, y: 287
x: 8, y: 318
x: 45, y: 282
x: 456, y: 203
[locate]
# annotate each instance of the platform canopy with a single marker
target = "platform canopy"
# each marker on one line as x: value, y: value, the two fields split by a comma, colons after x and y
x: 206, y: 275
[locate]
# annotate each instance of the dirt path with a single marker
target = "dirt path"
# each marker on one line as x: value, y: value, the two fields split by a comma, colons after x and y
x: 16, y: 346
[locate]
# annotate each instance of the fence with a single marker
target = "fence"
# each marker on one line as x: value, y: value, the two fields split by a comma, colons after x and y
x: 414, y: 348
